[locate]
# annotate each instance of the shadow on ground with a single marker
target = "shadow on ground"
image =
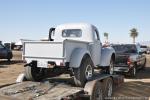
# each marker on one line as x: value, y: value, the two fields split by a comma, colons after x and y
x: 4, y: 63
x: 138, y: 89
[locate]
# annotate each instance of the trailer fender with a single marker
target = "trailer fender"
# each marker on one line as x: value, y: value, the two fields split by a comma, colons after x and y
x: 77, y: 56
x: 94, y: 90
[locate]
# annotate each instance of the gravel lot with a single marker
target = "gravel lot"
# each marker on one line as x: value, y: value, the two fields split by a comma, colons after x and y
x: 137, y: 88
x: 10, y: 70
x: 133, y: 89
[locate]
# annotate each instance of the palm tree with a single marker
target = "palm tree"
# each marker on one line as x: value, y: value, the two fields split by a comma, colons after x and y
x: 134, y: 34
x: 106, y: 36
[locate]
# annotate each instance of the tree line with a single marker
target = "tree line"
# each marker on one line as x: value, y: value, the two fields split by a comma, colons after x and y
x: 133, y: 34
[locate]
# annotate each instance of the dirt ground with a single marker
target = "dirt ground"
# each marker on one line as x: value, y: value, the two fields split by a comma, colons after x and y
x: 137, y: 88
x: 10, y: 70
x: 133, y: 89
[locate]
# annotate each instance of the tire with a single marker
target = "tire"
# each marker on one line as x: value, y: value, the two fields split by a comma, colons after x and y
x: 34, y: 73
x: 110, y: 69
x: 84, y: 72
x: 133, y: 72
x: 107, y: 87
x: 9, y: 56
x: 8, y: 60
x: 97, y: 92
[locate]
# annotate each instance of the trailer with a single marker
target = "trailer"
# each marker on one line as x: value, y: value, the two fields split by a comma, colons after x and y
x: 72, y: 65
x: 99, y: 87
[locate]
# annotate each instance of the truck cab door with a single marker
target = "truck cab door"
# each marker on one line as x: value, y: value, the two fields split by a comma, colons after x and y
x: 96, y: 48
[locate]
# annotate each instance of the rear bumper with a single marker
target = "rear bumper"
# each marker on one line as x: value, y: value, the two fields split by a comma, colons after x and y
x: 122, y: 69
x: 46, y: 62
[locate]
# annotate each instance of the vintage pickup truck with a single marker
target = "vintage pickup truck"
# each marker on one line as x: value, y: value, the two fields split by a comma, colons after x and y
x: 73, y: 48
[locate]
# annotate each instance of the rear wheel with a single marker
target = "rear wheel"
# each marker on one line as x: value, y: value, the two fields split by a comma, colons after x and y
x: 34, y: 73
x: 84, y: 72
x: 110, y: 69
x: 94, y: 89
x: 97, y: 93
x: 9, y: 56
x: 108, y: 87
x: 133, y: 72
x: 8, y: 60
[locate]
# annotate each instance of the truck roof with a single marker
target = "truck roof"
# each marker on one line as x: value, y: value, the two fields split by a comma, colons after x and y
x: 68, y: 25
x: 86, y: 28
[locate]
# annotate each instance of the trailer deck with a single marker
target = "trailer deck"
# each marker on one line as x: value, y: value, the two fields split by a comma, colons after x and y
x: 53, y: 89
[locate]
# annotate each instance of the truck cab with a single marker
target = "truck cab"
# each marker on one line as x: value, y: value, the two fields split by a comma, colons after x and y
x: 80, y: 32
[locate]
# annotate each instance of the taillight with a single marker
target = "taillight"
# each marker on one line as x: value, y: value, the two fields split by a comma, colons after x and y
x: 129, y: 61
x: 62, y: 64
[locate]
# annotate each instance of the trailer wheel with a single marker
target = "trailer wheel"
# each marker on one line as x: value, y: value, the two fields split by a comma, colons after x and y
x: 107, y: 87
x: 34, y: 73
x: 84, y: 72
x: 94, y: 90
x: 110, y: 69
x: 97, y: 92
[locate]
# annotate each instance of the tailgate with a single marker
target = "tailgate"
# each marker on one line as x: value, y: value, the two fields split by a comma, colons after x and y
x: 121, y: 59
x: 43, y: 50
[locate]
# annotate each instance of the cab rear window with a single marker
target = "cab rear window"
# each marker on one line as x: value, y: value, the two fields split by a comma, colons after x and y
x: 72, y: 33
x: 125, y: 48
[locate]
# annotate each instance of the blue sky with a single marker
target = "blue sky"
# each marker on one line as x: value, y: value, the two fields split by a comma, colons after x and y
x: 31, y: 19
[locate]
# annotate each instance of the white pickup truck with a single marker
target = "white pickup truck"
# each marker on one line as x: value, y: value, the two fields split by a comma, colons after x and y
x: 73, y: 48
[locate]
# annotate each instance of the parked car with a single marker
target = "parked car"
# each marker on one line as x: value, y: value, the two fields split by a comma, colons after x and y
x: 129, y: 58
x: 5, y: 53
x: 148, y: 50
x: 144, y: 48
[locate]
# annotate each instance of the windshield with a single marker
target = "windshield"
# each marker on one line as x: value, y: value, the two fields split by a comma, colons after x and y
x: 125, y: 48
x: 72, y: 33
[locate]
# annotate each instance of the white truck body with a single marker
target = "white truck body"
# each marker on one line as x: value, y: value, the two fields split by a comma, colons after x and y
x: 69, y: 49
x: 75, y: 49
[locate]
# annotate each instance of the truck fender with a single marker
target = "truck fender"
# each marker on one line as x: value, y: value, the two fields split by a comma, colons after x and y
x: 107, y: 54
x: 77, y: 56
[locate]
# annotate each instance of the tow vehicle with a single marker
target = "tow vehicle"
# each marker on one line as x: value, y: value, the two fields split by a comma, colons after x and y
x: 129, y: 58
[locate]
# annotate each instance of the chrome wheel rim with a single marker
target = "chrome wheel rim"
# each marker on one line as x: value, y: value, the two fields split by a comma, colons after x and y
x: 88, y: 72
x: 111, y: 68
x: 134, y: 71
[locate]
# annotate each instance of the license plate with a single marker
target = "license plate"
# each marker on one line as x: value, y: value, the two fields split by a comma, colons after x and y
x: 42, y: 64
